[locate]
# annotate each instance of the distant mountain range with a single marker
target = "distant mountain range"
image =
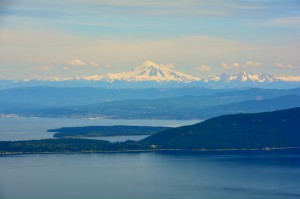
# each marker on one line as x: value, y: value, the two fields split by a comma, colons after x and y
x: 68, y: 96
x: 150, y: 74
x: 179, y: 103
x: 150, y: 71
x: 188, y: 107
x: 244, y: 77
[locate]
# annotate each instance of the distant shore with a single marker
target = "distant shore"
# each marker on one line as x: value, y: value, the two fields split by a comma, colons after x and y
x: 295, y: 150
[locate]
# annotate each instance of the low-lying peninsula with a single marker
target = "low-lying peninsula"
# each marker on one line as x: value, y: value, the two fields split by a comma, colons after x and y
x: 102, y: 131
x: 259, y: 131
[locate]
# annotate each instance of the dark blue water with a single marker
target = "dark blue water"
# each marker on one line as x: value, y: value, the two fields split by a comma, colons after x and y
x: 150, y: 175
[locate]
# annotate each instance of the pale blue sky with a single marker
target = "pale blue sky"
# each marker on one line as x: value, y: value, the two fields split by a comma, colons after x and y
x: 43, y: 38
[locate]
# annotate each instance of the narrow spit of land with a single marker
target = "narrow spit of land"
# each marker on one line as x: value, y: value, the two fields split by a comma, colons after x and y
x: 102, y: 131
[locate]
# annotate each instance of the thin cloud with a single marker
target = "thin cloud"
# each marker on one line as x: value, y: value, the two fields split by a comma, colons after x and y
x: 50, y: 9
x: 230, y: 66
x: 203, y: 68
x: 80, y: 63
x: 289, y: 78
x: 44, y: 68
x: 246, y: 65
x: 94, y: 64
x: 289, y: 21
x: 76, y: 62
x: 66, y: 67
x: 108, y: 66
x: 252, y: 64
x: 286, y: 66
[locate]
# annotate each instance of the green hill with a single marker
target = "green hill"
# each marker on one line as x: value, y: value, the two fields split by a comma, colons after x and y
x: 240, y: 131
x: 66, y: 145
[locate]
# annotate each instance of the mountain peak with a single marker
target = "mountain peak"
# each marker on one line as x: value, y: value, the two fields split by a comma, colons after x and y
x: 148, y: 63
x: 150, y: 71
x: 149, y: 66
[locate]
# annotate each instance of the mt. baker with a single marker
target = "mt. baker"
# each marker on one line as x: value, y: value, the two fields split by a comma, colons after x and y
x: 147, y: 71
x: 152, y: 72
x: 152, y: 75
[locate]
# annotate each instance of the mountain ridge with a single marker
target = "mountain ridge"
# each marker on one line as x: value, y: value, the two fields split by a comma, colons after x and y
x: 244, y: 77
x: 150, y: 71
x: 168, y: 107
x: 152, y: 75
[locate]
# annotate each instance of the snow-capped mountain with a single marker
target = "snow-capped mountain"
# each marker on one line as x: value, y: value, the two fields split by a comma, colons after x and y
x: 152, y: 72
x: 147, y: 71
x: 243, y: 77
x: 152, y: 75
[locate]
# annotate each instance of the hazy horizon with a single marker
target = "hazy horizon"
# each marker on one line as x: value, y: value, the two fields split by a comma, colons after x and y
x: 42, y: 39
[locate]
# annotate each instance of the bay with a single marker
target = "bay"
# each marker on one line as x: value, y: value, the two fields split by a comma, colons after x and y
x: 34, y: 128
x: 150, y: 175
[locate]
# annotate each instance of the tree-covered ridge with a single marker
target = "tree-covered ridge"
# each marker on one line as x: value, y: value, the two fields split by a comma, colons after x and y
x: 66, y: 145
x: 99, y: 131
x: 238, y: 131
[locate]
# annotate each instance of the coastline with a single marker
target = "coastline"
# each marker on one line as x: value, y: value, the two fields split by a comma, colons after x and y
x: 200, y: 151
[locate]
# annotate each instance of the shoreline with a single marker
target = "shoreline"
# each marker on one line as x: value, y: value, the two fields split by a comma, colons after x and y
x: 276, y: 149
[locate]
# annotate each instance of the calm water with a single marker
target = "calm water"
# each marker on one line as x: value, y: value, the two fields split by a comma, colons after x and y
x: 28, y: 128
x: 149, y: 175
x: 120, y: 138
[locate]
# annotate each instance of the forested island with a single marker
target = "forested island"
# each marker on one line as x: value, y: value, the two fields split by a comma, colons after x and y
x: 259, y: 131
